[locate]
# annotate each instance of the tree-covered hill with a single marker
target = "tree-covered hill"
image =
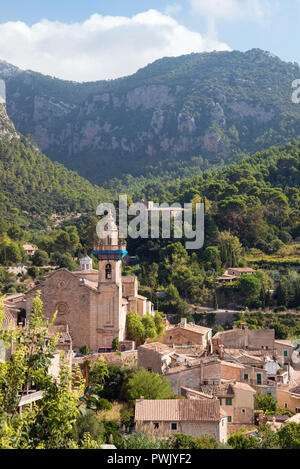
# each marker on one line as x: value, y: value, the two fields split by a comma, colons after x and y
x: 34, y: 189
x: 256, y: 199
x: 217, y: 106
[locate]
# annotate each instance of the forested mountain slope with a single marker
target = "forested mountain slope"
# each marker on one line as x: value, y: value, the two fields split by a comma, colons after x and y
x: 215, y: 107
x: 33, y: 188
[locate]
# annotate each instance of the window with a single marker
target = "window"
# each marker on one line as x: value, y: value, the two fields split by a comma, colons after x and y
x: 156, y: 425
x: 285, y: 353
x: 173, y: 426
x: 220, y: 400
x: 258, y: 378
x: 229, y: 419
x: 228, y: 401
x: 246, y: 377
x: 285, y: 405
x: 243, y: 411
x: 297, y: 410
x: 108, y: 272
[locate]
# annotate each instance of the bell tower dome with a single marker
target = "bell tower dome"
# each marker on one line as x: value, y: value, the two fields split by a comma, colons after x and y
x: 110, y: 251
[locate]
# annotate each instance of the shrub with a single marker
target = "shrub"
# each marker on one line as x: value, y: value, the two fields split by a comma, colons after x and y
x: 115, y: 344
x: 110, y: 434
x: 84, y: 349
x: 87, y: 422
x: 127, y: 417
x: 104, y: 404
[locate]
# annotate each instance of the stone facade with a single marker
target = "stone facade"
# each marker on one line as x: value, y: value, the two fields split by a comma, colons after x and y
x: 93, y: 303
x: 184, y: 376
x: 284, y: 349
x: 155, y: 357
x: 289, y: 399
x: 244, y: 338
x: 164, y: 418
x: 187, y: 334
x: 236, y: 400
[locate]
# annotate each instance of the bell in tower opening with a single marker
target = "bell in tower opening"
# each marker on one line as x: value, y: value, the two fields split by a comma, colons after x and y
x: 110, y: 251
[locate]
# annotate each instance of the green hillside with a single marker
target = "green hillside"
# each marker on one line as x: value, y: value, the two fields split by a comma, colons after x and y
x: 33, y: 188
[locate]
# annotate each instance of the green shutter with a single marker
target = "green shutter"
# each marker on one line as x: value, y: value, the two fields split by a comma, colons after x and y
x: 228, y: 401
x: 258, y: 377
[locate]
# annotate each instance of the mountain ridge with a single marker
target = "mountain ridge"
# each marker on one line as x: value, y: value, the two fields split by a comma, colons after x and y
x: 217, y: 106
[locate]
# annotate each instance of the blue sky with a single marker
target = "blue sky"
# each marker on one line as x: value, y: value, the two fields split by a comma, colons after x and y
x: 100, y: 39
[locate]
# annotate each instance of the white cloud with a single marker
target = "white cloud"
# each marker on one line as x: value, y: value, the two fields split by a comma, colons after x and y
x: 173, y: 9
x: 101, y: 47
x: 257, y: 11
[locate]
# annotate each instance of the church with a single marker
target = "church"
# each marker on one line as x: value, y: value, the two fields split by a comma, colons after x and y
x: 93, y: 303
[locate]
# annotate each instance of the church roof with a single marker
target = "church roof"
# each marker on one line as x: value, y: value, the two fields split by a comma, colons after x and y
x: 85, y: 258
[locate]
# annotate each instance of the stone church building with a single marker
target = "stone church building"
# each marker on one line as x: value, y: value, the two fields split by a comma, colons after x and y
x: 93, y: 303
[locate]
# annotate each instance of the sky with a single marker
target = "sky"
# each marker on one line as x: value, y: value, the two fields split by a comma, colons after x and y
x: 104, y: 39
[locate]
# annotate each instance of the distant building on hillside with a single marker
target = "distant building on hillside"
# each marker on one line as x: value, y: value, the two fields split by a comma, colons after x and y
x: 30, y: 250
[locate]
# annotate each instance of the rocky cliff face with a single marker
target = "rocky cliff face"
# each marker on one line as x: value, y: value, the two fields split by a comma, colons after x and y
x: 215, y: 105
x: 7, y: 128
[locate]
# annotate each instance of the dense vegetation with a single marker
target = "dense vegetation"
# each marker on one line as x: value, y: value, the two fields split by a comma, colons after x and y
x: 33, y: 188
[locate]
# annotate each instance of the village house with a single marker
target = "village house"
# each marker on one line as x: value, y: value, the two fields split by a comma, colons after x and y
x: 234, y: 273
x: 184, y: 375
x: 289, y: 398
x: 155, y: 357
x: 236, y: 400
x: 160, y: 358
x: 244, y: 338
x: 30, y: 250
x: 213, y: 370
x: 186, y: 333
x: 238, y: 271
x: 284, y: 349
x: 164, y: 418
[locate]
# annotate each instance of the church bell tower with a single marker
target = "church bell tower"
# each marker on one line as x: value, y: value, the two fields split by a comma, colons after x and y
x: 110, y: 252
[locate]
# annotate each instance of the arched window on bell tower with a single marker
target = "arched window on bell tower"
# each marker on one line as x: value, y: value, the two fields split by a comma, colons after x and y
x: 108, y: 272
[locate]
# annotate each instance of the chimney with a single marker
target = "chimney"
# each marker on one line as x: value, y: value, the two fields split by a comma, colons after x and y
x: 183, y: 322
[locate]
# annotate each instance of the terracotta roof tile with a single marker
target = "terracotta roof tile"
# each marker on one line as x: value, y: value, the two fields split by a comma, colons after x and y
x: 191, y: 410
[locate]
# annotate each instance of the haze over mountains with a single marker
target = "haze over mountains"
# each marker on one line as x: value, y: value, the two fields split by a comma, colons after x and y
x: 216, y: 107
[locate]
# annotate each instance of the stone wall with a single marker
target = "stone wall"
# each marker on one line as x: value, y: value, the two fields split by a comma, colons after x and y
x: 188, y: 378
x: 217, y: 430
